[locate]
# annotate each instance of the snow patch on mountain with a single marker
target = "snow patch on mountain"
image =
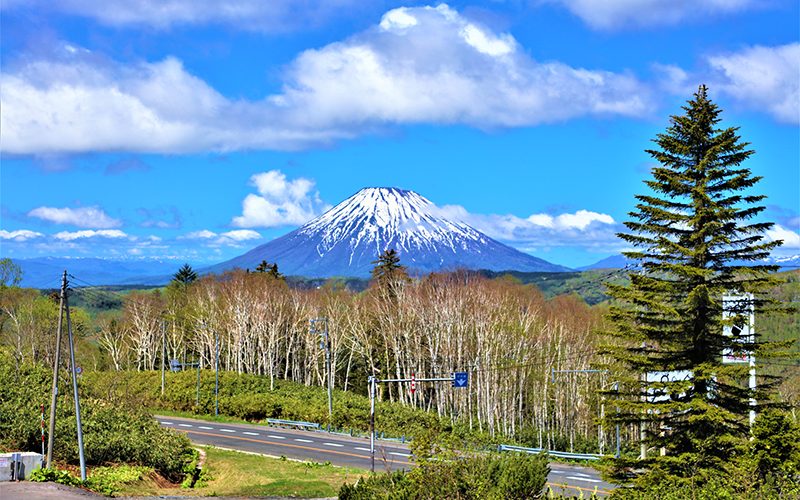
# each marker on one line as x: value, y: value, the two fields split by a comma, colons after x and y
x: 345, y: 240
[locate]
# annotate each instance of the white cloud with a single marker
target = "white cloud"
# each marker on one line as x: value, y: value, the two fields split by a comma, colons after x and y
x: 613, y: 14
x: 762, y: 78
x: 203, y: 234
x: 579, y: 220
x: 444, y: 68
x: 253, y: 15
x: 91, y: 217
x: 88, y: 233
x: 583, y: 228
x: 241, y: 235
x: 19, y: 235
x: 791, y: 239
x: 419, y: 65
x: 279, y: 201
x: 229, y: 238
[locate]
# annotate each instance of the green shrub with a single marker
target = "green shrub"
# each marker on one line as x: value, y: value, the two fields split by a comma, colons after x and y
x: 54, y: 476
x: 482, y: 477
x: 113, y: 432
x: 109, y: 480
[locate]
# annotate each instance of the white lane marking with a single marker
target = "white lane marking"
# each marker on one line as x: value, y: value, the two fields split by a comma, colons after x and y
x: 206, y: 428
x: 227, y: 430
x: 186, y: 425
x: 304, y: 440
x: 333, y: 444
x: 275, y: 437
x: 250, y: 433
x: 363, y: 449
x: 584, y: 479
x: 399, y: 454
x: 164, y: 422
x: 582, y: 474
x: 557, y: 471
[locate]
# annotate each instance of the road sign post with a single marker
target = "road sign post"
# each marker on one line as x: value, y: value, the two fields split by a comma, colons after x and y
x: 461, y: 379
x: 373, y: 381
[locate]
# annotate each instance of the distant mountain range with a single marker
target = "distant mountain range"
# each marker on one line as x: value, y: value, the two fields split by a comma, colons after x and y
x: 342, y: 242
x: 346, y: 239
x: 45, y: 272
x: 620, y: 261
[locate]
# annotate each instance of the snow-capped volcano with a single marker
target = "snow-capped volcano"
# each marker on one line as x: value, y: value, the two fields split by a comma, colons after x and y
x: 345, y: 240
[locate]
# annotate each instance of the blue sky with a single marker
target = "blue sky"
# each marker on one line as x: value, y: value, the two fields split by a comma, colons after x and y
x: 196, y: 130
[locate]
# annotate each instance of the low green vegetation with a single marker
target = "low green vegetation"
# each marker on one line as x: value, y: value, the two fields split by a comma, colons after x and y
x: 480, y: 477
x: 249, y: 398
x: 105, y: 480
x: 114, y: 432
x: 230, y: 473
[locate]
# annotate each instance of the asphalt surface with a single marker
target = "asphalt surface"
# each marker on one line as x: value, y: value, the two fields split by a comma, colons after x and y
x: 319, y: 446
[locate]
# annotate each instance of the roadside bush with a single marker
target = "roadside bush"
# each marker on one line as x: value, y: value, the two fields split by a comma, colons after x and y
x: 105, y: 480
x: 484, y: 477
x: 113, y: 432
x: 250, y: 397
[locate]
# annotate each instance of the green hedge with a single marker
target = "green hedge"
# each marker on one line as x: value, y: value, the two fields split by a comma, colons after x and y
x: 113, y: 432
x: 249, y: 397
x: 485, y: 477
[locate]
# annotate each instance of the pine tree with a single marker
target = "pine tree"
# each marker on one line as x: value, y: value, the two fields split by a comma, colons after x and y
x: 695, y: 240
x: 388, y: 274
x: 269, y: 269
x: 262, y: 267
x: 185, y: 275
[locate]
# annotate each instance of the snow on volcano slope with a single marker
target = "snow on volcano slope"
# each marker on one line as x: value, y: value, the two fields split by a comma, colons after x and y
x: 345, y: 240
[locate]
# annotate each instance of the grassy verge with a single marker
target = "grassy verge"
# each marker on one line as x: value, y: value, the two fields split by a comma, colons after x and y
x: 230, y: 473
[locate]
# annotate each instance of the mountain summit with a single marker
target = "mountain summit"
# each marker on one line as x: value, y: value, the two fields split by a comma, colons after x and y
x: 345, y: 240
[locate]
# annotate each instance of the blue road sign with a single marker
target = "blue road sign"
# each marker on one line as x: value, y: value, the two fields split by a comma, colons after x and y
x: 460, y: 379
x: 174, y: 365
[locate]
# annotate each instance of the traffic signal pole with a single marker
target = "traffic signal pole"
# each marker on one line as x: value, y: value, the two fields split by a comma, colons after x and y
x: 373, y: 382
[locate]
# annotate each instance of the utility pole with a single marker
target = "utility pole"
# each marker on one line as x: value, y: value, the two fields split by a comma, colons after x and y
x: 197, y: 403
x: 372, y: 422
x: 325, y: 343
x: 216, y: 380
x: 75, y: 391
x: 53, y: 401
x: 163, y: 355
x: 553, y: 372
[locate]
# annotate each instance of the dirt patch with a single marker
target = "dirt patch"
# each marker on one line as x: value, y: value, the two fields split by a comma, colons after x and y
x: 161, y: 481
x: 35, y: 491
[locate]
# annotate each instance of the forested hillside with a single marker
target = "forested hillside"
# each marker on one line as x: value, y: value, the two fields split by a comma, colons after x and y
x: 509, y: 336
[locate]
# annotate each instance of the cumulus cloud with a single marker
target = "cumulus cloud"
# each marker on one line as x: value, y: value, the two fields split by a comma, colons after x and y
x: 791, y: 239
x: 279, y: 202
x: 583, y: 228
x: 229, y: 238
x: 273, y: 16
x: 19, y: 235
x: 614, y: 14
x: 89, y: 233
x: 417, y: 65
x: 434, y: 65
x: 762, y: 78
x: 91, y: 217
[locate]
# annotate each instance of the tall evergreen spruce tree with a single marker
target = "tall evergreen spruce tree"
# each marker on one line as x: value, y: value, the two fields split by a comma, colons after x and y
x: 388, y: 274
x: 695, y: 240
x: 185, y: 275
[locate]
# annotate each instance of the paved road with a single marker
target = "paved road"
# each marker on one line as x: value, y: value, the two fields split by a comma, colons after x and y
x: 345, y: 450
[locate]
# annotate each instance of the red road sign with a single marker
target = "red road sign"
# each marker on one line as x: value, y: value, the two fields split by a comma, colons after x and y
x: 413, y: 383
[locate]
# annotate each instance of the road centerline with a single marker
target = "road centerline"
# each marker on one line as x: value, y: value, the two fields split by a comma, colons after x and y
x: 288, y: 445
